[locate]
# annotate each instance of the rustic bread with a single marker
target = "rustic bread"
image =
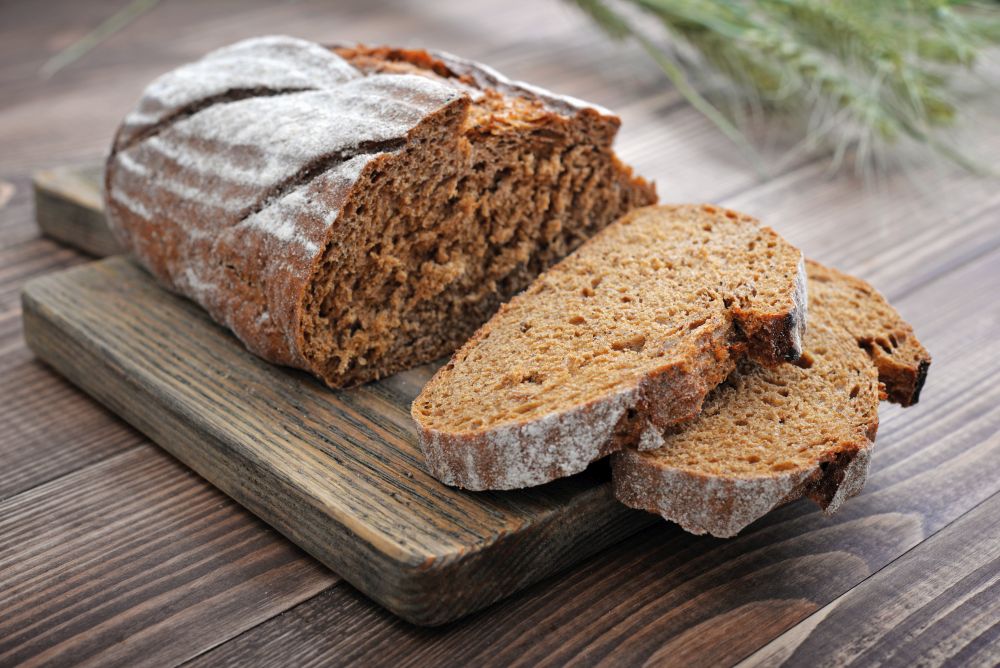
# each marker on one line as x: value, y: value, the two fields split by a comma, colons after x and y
x: 772, y: 434
x: 636, y: 326
x: 355, y: 211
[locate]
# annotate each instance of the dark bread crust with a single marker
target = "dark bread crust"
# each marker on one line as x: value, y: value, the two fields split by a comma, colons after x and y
x: 722, y: 504
x: 233, y: 180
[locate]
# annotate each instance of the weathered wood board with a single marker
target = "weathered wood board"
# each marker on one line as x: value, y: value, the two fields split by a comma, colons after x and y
x: 339, y: 473
x: 69, y: 207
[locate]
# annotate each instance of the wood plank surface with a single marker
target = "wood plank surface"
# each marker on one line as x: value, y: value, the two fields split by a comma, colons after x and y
x: 42, y: 414
x: 665, y: 596
x: 17, y: 224
x: 46, y: 428
x: 337, y: 472
x: 894, y: 236
x: 69, y: 208
x: 150, y: 553
x: 18, y: 262
x: 901, y: 236
x: 939, y: 603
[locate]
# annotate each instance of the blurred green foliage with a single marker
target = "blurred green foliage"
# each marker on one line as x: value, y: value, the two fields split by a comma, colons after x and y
x: 861, y: 73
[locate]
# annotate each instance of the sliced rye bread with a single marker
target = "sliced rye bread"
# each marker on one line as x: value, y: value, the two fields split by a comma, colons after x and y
x: 356, y: 211
x: 770, y: 435
x: 635, y: 327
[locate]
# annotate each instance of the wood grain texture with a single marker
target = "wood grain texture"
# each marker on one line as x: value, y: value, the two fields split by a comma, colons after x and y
x: 68, y: 120
x: 69, y: 208
x: 337, y: 472
x: 41, y: 412
x: 46, y: 428
x: 939, y: 603
x: 19, y: 262
x: 17, y: 194
x: 666, y: 597
x: 894, y: 236
x: 98, y: 564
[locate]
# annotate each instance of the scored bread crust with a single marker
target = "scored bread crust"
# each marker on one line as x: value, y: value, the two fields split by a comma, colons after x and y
x: 533, y: 451
x: 232, y: 178
x: 721, y: 504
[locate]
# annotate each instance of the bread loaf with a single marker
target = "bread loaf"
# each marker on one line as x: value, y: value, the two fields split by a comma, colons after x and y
x: 773, y: 434
x: 634, y: 328
x: 354, y: 211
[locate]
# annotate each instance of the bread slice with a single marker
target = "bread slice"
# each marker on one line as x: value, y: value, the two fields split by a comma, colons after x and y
x: 636, y: 326
x: 356, y: 211
x: 769, y: 435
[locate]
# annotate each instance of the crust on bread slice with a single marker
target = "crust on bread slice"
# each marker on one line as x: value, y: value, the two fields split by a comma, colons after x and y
x: 771, y: 435
x: 634, y: 328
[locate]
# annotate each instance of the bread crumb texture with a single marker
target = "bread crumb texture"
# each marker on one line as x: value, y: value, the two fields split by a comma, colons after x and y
x: 634, y: 328
x: 772, y: 434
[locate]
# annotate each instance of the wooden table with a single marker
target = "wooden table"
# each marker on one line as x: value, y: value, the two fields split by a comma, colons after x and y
x: 113, y: 553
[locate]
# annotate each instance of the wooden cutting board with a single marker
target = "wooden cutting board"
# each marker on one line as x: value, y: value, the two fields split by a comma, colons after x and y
x: 338, y: 473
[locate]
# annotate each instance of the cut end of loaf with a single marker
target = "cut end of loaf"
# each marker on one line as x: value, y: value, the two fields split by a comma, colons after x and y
x: 637, y: 326
x: 773, y: 434
x: 436, y: 236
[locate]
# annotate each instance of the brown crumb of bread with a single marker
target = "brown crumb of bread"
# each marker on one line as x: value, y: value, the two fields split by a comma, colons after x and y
x: 770, y: 435
x: 651, y: 314
x: 457, y: 223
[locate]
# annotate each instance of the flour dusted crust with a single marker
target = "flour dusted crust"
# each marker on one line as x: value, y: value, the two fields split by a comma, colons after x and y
x: 529, y: 453
x: 535, y: 449
x: 723, y: 506
x: 234, y: 178
x: 847, y: 313
x: 185, y: 190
